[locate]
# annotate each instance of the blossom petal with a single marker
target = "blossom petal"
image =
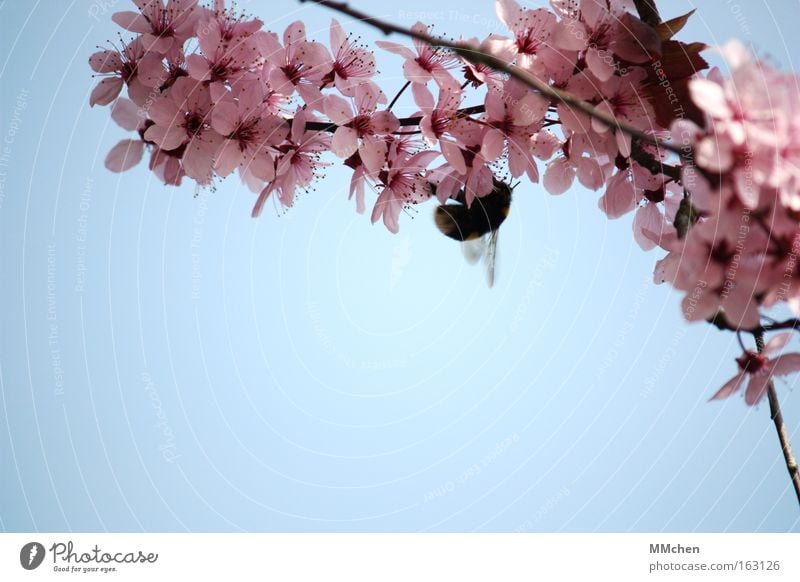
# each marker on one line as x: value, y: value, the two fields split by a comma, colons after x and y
x: 106, y: 91
x: 125, y: 155
x: 345, y: 142
x: 757, y: 388
x: 786, y: 364
x: 730, y: 387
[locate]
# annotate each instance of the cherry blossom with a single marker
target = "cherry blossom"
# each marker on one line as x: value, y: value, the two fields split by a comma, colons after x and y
x: 359, y: 125
x: 531, y: 28
x: 297, y: 162
x: 757, y: 370
x: 121, y: 68
x: 250, y: 136
x: 182, y: 120
x: 428, y: 62
x: 162, y: 26
x: 514, y: 115
x: 402, y: 185
x: 351, y: 65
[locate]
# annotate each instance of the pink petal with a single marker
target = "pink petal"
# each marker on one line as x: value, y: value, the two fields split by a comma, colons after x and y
x: 452, y: 153
x: 338, y: 37
x: 225, y: 118
x: 199, y: 67
x: 395, y: 48
x: 125, y: 155
x: 530, y: 109
x: 294, y: 33
x: 151, y: 70
x: 422, y: 97
x: 601, y: 65
x: 197, y: 161
x: 571, y: 35
x: 415, y: 73
x: 373, y: 154
x: 619, y: 198
x: 228, y: 158
x: 647, y: 225
x: 729, y: 387
x: 167, y: 137
x: 756, y: 388
x: 338, y: 109
x: 133, y: 21
x: 710, y: 97
x: 558, y: 176
x: 345, y: 141
x: 385, y: 122
x: 509, y: 12
x: 495, y: 107
x: 106, y: 91
x: 126, y: 114
x: 158, y: 44
x: 105, y: 62
x: 777, y: 343
x: 493, y: 145
x: 786, y: 364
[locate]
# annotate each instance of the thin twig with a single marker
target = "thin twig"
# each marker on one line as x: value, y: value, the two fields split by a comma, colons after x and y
x: 396, y: 97
x: 404, y: 122
x: 477, y: 57
x: 780, y: 426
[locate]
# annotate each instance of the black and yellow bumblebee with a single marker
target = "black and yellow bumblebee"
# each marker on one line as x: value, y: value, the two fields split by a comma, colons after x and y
x: 476, y: 226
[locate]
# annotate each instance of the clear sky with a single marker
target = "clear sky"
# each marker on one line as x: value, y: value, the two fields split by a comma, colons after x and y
x: 169, y: 363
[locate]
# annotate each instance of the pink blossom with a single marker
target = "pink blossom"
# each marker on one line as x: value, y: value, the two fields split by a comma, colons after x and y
x: 603, y: 33
x: 439, y: 118
x: 514, y: 115
x: 466, y: 168
x: 251, y: 135
x: 128, y: 152
x: 428, y: 62
x: 478, y: 74
x: 182, y: 120
x: 402, y: 185
x: 359, y: 125
x: 624, y: 99
x: 161, y: 26
x: 352, y: 64
x: 231, y: 50
x: 757, y: 370
x: 121, y: 68
x: 297, y: 162
x: 298, y: 65
x: 532, y: 30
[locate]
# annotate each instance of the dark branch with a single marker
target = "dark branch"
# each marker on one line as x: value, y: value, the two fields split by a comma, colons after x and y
x: 780, y: 425
x: 404, y: 122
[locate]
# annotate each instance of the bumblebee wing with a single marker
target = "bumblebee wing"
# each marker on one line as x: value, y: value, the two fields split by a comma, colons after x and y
x: 490, y: 259
x: 474, y: 249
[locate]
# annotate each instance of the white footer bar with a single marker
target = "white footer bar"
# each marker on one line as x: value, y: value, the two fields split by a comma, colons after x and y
x: 400, y: 557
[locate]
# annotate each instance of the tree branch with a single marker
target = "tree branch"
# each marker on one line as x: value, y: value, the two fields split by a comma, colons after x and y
x: 480, y: 58
x: 780, y: 426
x: 404, y: 122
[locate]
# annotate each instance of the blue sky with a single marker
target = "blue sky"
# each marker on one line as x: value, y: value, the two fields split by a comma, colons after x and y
x: 168, y: 363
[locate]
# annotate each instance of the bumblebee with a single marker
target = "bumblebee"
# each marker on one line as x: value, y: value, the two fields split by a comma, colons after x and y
x: 476, y: 226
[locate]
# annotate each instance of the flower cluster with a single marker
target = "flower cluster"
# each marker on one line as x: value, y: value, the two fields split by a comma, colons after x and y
x: 211, y: 93
x: 744, y: 181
